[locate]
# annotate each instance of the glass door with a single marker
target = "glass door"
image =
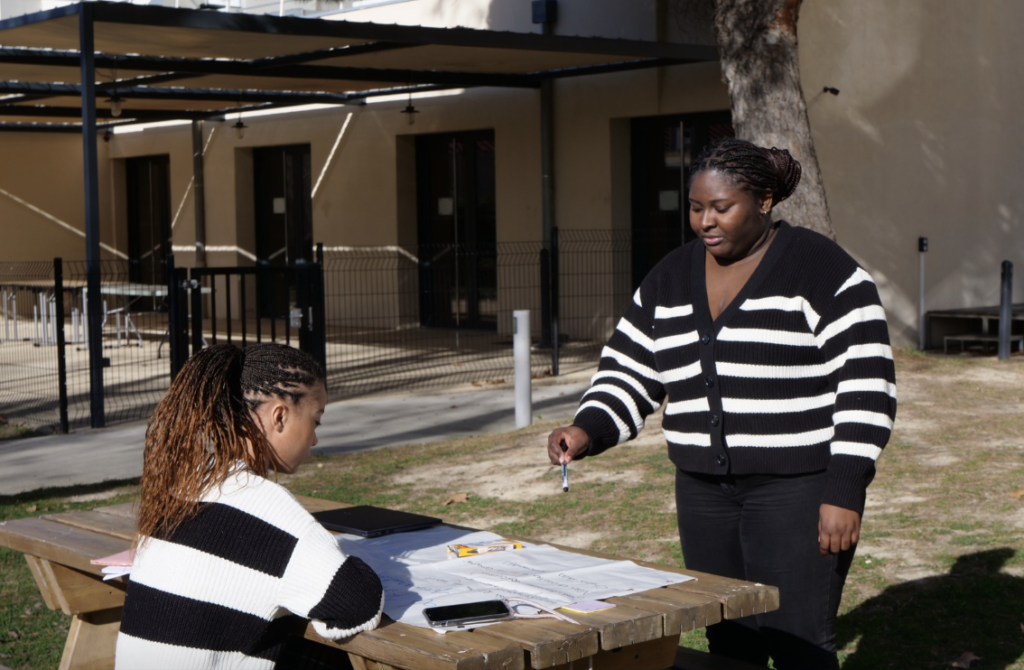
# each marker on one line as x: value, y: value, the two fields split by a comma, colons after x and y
x: 457, y: 230
x: 284, y: 218
x: 663, y: 149
x: 149, y: 218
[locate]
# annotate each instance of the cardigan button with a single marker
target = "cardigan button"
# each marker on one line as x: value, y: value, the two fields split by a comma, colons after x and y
x: 714, y: 419
x: 710, y: 381
x: 705, y: 339
x: 721, y: 459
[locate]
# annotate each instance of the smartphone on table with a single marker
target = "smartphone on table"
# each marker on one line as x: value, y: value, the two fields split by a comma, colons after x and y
x: 467, y: 614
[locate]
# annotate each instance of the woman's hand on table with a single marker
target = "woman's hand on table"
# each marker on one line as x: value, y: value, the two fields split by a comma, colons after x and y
x: 838, y: 529
x: 575, y: 440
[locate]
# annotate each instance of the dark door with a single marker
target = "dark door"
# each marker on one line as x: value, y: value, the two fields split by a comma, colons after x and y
x: 663, y: 149
x: 284, y: 218
x: 149, y: 218
x: 457, y: 220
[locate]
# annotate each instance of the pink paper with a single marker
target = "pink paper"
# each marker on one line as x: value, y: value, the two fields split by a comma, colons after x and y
x: 121, y: 558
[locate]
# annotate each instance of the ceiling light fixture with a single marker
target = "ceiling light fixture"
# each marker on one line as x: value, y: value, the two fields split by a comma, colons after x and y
x: 410, y: 110
x: 116, y: 103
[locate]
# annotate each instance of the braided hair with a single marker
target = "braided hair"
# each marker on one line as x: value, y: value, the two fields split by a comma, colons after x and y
x: 204, y: 426
x: 755, y: 169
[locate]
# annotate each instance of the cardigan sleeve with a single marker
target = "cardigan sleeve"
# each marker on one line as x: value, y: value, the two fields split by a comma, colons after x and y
x: 854, y: 339
x: 627, y: 386
x: 341, y: 594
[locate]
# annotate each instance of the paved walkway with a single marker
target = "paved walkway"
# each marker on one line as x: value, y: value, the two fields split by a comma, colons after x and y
x: 94, y: 456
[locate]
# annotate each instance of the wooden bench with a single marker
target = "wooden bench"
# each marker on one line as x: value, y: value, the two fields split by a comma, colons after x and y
x: 691, y: 659
x: 979, y: 337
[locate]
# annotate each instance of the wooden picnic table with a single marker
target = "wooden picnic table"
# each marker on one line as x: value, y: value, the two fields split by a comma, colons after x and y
x: 640, y: 633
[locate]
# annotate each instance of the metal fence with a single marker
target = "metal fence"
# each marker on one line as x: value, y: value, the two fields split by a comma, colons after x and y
x: 396, y: 319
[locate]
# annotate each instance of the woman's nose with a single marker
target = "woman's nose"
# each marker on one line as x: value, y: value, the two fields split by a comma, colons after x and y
x: 705, y: 220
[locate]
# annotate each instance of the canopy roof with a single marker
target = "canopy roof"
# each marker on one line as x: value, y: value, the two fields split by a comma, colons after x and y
x: 169, y: 63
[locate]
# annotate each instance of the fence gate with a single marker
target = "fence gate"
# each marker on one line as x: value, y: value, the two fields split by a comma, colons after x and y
x: 207, y: 306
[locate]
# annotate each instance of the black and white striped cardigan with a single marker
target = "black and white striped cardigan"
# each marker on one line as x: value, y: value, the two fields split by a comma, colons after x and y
x: 795, y: 376
x: 223, y: 590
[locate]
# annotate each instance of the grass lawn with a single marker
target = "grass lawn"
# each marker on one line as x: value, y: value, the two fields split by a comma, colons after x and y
x: 939, y: 574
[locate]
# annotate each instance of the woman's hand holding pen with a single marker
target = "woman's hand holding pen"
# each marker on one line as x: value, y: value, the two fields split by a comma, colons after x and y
x: 575, y: 441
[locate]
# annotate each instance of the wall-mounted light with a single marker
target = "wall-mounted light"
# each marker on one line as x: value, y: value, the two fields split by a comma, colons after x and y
x: 240, y: 127
x: 116, y: 103
x: 831, y: 89
x: 107, y: 134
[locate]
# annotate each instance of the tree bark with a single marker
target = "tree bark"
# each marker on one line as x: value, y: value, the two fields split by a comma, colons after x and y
x: 758, y: 45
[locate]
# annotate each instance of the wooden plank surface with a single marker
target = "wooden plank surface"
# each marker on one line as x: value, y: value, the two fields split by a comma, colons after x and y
x: 681, y: 611
x: 413, y: 648
x: 124, y: 509
x: 623, y: 625
x: 653, y: 655
x: 738, y: 598
x: 319, y: 504
x: 547, y: 642
x: 59, y: 543
x: 118, y: 526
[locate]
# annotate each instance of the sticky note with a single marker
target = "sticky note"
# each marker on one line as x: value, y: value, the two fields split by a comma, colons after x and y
x: 588, y: 606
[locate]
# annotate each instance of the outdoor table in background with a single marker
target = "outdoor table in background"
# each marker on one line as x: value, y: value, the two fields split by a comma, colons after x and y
x: 971, y: 324
x: 44, y: 319
x: 647, y: 625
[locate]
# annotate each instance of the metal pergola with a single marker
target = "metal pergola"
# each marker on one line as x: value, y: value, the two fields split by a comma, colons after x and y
x: 62, y: 70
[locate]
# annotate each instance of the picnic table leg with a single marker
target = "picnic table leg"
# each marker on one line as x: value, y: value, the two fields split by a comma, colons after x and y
x: 92, y: 639
x: 360, y: 663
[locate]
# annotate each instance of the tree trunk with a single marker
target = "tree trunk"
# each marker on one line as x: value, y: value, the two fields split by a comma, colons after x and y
x: 758, y: 45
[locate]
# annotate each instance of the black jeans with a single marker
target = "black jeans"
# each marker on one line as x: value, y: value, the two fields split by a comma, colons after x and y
x: 764, y: 528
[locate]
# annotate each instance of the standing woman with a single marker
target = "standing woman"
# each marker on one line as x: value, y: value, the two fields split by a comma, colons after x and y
x: 770, y: 344
x: 228, y: 565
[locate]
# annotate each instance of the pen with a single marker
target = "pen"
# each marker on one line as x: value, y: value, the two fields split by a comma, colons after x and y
x: 565, y: 470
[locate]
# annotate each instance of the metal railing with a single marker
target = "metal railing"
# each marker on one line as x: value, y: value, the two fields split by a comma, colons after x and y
x: 395, y: 319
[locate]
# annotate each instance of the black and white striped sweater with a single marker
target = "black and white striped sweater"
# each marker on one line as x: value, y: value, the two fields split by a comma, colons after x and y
x: 223, y: 590
x: 795, y: 376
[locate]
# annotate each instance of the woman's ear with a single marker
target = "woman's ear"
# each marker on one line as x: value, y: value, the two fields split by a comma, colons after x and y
x: 278, y: 416
x: 766, y: 203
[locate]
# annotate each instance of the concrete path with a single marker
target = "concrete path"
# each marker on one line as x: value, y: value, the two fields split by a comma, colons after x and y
x: 94, y: 456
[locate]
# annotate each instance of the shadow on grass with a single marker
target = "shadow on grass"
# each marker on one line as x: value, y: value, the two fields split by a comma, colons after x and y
x: 64, y: 492
x: 929, y: 623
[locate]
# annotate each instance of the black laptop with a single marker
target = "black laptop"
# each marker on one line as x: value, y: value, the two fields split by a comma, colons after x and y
x: 369, y: 521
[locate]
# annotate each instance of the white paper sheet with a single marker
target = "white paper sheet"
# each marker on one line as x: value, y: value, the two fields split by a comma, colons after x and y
x: 417, y: 573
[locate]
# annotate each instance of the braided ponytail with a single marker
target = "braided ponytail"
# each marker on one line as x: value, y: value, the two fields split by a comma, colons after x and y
x: 203, y: 427
x: 756, y: 169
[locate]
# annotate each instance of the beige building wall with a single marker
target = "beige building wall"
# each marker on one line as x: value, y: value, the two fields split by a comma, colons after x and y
x: 924, y: 139
x: 42, y: 215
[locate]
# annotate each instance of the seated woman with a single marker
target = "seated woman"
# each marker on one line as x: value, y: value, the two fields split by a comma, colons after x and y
x: 228, y: 564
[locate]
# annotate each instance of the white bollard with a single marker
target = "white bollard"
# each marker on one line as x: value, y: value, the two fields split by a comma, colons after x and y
x: 521, y: 361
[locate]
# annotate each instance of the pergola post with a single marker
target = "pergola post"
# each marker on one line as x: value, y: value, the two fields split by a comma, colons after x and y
x: 199, y: 191
x: 549, y: 302
x: 90, y: 166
